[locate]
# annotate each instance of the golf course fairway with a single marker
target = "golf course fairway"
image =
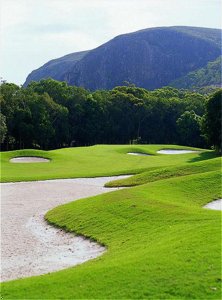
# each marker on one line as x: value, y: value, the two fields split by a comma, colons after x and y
x: 161, y: 243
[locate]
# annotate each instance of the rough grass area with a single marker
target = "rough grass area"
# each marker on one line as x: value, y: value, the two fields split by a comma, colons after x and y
x: 161, y: 243
x: 101, y: 160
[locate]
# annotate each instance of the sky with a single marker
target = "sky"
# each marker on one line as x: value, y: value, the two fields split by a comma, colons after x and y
x: 33, y: 32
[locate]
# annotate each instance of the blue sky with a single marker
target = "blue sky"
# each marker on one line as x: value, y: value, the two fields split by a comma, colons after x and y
x: 35, y: 31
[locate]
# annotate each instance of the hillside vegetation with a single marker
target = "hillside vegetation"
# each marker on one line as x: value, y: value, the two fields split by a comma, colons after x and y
x: 209, y: 76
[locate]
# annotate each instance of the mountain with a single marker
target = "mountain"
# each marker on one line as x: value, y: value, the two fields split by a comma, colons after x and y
x: 56, y: 68
x: 149, y: 58
x: 208, y: 76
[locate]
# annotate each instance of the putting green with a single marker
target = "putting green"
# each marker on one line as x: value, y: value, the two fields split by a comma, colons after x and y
x: 95, y: 161
x: 161, y: 243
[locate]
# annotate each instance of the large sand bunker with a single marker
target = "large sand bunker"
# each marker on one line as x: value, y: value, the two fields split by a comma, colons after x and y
x: 29, y: 159
x: 172, y: 151
x: 29, y: 246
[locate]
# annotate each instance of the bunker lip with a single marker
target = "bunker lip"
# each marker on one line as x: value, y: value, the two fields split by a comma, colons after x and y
x: 29, y: 245
x: 176, y: 151
x: 29, y: 159
x: 138, y: 153
x: 215, y: 205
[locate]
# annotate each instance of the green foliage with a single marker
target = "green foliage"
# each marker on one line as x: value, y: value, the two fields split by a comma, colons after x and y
x: 50, y: 114
x: 189, y: 129
x: 212, y: 120
x: 161, y: 243
x: 32, y: 119
x: 3, y: 128
x: 207, y: 76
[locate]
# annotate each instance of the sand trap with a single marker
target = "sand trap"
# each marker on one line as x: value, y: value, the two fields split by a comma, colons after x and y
x: 138, y: 153
x: 172, y: 151
x: 29, y: 246
x: 29, y: 159
x: 216, y: 205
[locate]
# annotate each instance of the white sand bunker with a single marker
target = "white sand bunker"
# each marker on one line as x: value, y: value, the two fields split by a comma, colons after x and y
x: 138, y: 153
x: 29, y: 246
x: 172, y: 151
x: 29, y: 159
x: 216, y: 205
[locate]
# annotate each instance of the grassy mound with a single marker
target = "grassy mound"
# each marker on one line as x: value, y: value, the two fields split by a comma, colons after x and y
x: 161, y: 243
x: 168, y: 172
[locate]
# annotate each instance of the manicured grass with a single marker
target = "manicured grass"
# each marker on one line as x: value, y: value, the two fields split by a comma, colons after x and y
x: 168, y: 172
x: 161, y: 243
x: 101, y: 160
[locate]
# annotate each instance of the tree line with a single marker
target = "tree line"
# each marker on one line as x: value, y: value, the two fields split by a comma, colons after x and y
x: 50, y: 114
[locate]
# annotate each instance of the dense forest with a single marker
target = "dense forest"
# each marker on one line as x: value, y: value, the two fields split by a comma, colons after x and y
x: 50, y: 114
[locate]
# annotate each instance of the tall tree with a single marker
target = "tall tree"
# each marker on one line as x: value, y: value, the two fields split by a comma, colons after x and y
x: 211, y: 125
x: 3, y: 128
x: 188, y: 126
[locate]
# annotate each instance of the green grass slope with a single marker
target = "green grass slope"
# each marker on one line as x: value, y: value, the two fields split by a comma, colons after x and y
x: 168, y: 172
x: 101, y: 160
x: 161, y: 244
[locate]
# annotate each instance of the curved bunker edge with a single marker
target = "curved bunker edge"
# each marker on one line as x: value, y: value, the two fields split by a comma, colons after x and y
x: 29, y: 159
x: 31, y: 246
x: 176, y: 151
